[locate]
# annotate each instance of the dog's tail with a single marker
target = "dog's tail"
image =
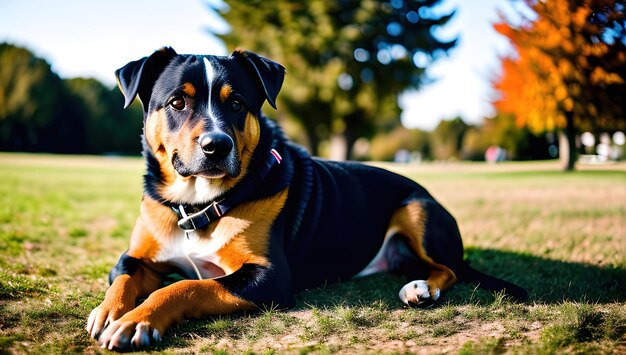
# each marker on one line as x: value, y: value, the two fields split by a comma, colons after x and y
x: 490, y: 283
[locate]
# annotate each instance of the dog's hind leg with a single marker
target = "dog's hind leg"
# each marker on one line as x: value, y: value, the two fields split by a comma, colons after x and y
x: 434, y: 244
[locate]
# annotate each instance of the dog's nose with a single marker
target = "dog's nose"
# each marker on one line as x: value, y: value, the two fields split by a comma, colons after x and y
x: 216, y: 144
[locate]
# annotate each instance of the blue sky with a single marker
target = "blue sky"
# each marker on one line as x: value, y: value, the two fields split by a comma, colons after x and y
x: 93, y: 38
x: 462, y: 85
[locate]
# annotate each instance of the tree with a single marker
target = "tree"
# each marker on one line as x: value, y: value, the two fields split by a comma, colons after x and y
x: 446, y: 140
x: 346, y: 60
x: 40, y: 112
x: 502, y: 131
x: 108, y: 128
x: 570, y: 69
x: 26, y: 105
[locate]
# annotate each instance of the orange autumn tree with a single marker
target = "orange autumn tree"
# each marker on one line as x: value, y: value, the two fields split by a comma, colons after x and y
x: 570, y: 69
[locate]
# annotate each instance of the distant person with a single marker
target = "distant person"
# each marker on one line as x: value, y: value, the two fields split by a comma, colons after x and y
x: 495, y: 154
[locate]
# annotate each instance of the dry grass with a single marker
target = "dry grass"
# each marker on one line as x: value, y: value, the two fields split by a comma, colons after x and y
x: 64, y: 221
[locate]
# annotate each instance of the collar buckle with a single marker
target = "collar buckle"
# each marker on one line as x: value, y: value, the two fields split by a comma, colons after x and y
x: 200, y: 219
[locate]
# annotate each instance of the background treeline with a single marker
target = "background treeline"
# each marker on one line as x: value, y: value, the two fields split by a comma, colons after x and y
x: 347, y: 62
x: 40, y: 112
x: 456, y: 140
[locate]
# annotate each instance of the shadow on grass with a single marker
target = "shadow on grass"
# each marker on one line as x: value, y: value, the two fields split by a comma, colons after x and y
x: 547, y: 281
x: 553, y: 281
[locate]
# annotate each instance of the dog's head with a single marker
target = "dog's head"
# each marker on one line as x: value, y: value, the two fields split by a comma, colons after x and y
x: 201, y: 117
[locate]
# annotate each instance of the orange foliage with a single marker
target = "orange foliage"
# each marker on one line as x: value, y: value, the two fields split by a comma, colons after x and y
x: 564, y: 66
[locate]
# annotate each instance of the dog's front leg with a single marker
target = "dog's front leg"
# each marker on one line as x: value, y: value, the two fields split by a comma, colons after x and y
x: 184, y: 299
x: 120, y: 298
x: 133, y: 276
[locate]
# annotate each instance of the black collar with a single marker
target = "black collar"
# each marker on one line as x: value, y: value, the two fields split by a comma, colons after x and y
x: 194, y: 217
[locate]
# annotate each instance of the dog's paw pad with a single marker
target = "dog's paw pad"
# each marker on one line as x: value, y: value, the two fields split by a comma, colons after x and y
x: 418, y: 294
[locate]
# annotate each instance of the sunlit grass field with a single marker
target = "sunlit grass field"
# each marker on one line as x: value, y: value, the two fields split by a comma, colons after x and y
x: 65, y: 220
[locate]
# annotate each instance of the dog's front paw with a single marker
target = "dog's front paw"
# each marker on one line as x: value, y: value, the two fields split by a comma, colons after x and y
x: 101, y: 316
x: 418, y: 294
x: 129, y: 333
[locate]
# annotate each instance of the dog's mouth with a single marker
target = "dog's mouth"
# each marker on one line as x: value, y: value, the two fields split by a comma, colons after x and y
x: 214, y: 173
x: 206, y: 169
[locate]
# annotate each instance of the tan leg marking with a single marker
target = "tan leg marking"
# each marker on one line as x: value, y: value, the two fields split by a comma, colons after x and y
x: 410, y: 221
x: 182, y: 300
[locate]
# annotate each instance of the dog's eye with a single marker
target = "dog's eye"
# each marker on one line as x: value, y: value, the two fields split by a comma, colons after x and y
x: 178, y: 103
x: 236, y: 106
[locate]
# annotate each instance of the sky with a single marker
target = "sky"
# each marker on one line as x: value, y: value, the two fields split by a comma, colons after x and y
x: 94, y: 38
x: 462, y: 80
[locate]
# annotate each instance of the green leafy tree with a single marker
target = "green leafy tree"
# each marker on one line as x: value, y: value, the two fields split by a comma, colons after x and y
x: 108, y: 127
x: 31, y: 118
x: 346, y: 60
x: 37, y: 113
x: 40, y: 112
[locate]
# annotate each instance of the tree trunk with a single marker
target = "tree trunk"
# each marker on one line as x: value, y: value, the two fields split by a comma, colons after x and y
x: 314, y: 141
x: 350, y: 138
x: 355, y: 125
x: 567, y: 145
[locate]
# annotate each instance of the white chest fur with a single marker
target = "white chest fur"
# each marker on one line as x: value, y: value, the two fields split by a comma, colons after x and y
x: 194, y: 255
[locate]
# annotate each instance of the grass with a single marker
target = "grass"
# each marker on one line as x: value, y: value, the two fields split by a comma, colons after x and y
x: 65, y: 220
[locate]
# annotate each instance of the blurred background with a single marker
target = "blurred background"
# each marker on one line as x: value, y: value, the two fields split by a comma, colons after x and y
x: 395, y: 80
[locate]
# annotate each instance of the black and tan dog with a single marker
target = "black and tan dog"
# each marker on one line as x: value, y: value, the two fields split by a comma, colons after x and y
x: 249, y: 218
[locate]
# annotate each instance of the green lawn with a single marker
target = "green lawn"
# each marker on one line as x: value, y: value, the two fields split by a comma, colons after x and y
x: 65, y: 220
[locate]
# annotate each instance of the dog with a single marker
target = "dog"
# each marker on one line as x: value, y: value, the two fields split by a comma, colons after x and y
x: 249, y: 218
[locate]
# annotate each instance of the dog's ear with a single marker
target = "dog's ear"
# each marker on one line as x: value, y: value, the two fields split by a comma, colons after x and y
x: 270, y: 73
x: 138, y: 77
